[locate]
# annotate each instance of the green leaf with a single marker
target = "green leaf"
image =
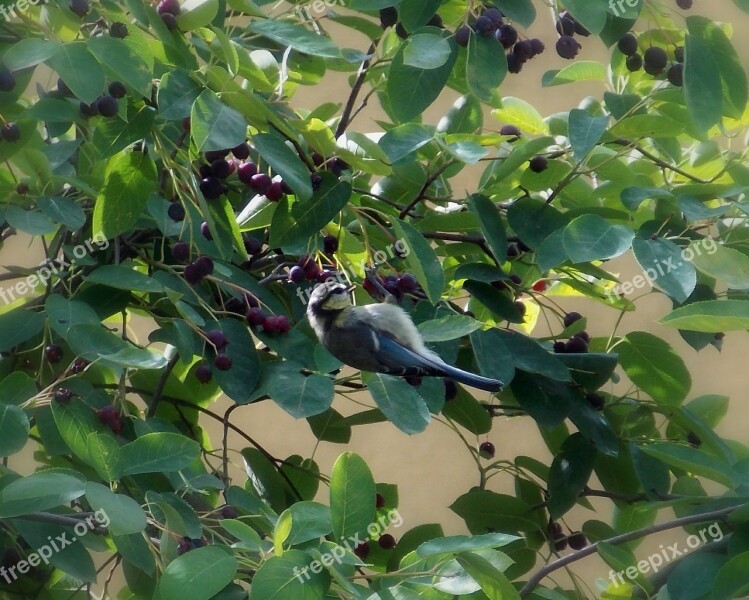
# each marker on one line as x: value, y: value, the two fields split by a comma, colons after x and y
x: 130, y: 178
x: 492, y: 226
x: 493, y: 582
x: 711, y: 316
x: 298, y: 220
x: 400, y: 403
x: 585, y: 131
x: 533, y: 220
x: 29, y: 52
x: 653, y: 365
x: 14, y: 429
x: 196, y: 13
x: 177, y: 93
x: 726, y: 264
x: 64, y: 314
x: 402, y: 140
x: 421, y: 260
x: 289, y: 577
x: 309, y: 521
x: 125, y: 514
x: 80, y: 71
x: 591, y: 14
x: 463, y: 543
x: 426, y: 51
x: 124, y: 278
x: 732, y: 75
x: 449, y: 327
x: 481, y: 509
x: 569, y: 474
x: 411, y: 89
x: 591, y: 237
x: 352, y: 496
x: 264, y: 479
x: 214, y: 125
x: 198, y: 574
x: 122, y: 63
x: 702, y: 84
x: 414, y: 15
x: 329, y: 426
x: 156, y: 452
x: 239, y: 382
x: 18, y: 325
x: 64, y: 211
x: 285, y: 162
x: 663, y: 265
x: 39, y: 491
x: 464, y: 116
x: 693, y: 461
x: 731, y: 582
x: 94, y: 342
x: 521, y: 114
x: 521, y: 11
x: 580, y: 70
x: 693, y: 576
x: 29, y: 221
x: 297, y: 37
x: 76, y: 422
x: 486, y: 66
x: 299, y: 395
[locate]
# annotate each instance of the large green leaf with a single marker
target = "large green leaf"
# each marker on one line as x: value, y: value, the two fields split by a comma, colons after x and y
x: 585, y: 131
x: 14, y: 429
x: 352, y: 496
x: 157, y: 452
x: 731, y: 582
x: 399, y: 402
x: 80, y: 71
x: 664, y: 266
x: 239, y: 382
x: 289, y: 577
x: 18, y: 325
x: 122, y: 63
x: 125, y: 514
x: 39, y: 491
x: 653, y: 365
x: 491, y: 225
x: 94, y: 342
x: 493, y: 582
x: 694, y: 461
x: 591, y: 237
x: 710, y: 316
x: 214, y: 125
x: 295, y: 36
x: 486, y: 66
x: 130, y: 178
x: 124, y: 278
x: 422, y: 260
x: 726, y: 264
x: 199, y: 574
x: 298, y: 394
x: 702, y: 84
x: 177, y: 93
x: 427, y: 51
x: 29, y: 52
x: 569, y: 474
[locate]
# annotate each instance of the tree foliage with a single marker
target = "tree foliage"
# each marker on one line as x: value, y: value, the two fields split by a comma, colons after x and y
x: 119, y: 169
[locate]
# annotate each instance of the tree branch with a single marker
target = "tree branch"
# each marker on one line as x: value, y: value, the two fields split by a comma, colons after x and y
x: 355, y: 89
x: 539, y: 575
x: 160, y: 385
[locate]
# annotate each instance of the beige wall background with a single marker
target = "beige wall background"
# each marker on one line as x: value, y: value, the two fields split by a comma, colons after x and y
x: 433, y: 468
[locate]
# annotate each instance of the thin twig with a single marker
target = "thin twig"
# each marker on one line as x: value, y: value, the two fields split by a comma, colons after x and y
x: 355, y: 89
x: 161, y: 384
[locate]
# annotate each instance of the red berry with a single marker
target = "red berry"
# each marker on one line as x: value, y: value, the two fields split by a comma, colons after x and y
x: 107, y: 414
x: 540, y: 286
x: 229, y: 512
x: 260, y: 182
x: 255, y: 316
x: 406, y: 283
x: 362, y: 550
x: 269, y: 324
x: 169, y: 6
x: 282, y: 324
x: 245, y: 172
x: 275, y: 191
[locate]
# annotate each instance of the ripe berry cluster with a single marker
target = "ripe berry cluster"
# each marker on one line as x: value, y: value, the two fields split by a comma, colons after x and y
x: 168, y: 11
x: 395, y: 285
x: 491, y: 22
x: 111, y: 417
x: 308, y: 269
x: 654, y: 61
x: 105, y: 105
x: 578, y: 343
x: 197, y: 270
x: 186, y: 544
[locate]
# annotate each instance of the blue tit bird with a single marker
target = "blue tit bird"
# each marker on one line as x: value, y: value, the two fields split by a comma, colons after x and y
x: 379, y: 338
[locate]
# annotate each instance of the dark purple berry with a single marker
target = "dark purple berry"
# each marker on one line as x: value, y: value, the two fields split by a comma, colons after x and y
x: 627, y: 44
x: 22, y: 188
x: 192, y: 274
x: 596, y: 401
x: 241, y: 152
x: 181, y: 251
x: 684, y: 4
x: 217, y: 338
x: 570, y: 318
x: 634, y: 62
x: 274, y: 193
x: 80, y: 7
x: 62, y: 395
x: 523, y: 49
x: 462, y: 35
x: 388, y: 17
x: 484, y: 25
x: 169, y: 6
x: 79, y: 365
x: 451, y: 389
x: 117, y: 89
x: 568, y: 47
x: 204, y: 265
x: 576, y: 345
x: 362, y: 550
x: 253, y: 245
x: 222, y: 362
x: 118, y: 30
x: 211, y: 188
x: 507, y: 35
x: 487, y: 450
x: 538, y: 46
x: 260, y: 182
x: 510, y: 130
x: 330, y: 244
x: 296, y: 274
x: 655, y: 59
x: 565, y: 24
x: 255, y: 316
x: 435, y: 21
x: 229, y: 512
x: 679, y: 54
x: 676, y: 74
x: 246, y: 171
x: 538, y: 164
x: 495, y: 15
x: 90, y: 110
x: 53, y: 353
x: 107, y: 413
x: 11, y: 132
x: 170, y: 21
x: 205, y: 231
x: 62, y: 88
x: 379, y: 501
x: 176, y: 211
x: 406, y: 283
x: 413, y: 380
x: 514, y: 63
x: 580, y: 29
x: 560, y: 347
x: 7, y: 80
x: 577, y: 540
x: 401, y: 31
x: 583, y: 335
x: 222, y: 168
x: 386, y: 541
x: 108, y: 106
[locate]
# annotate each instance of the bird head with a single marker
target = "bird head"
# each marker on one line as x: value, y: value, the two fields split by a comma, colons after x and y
x: 330, y: 297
